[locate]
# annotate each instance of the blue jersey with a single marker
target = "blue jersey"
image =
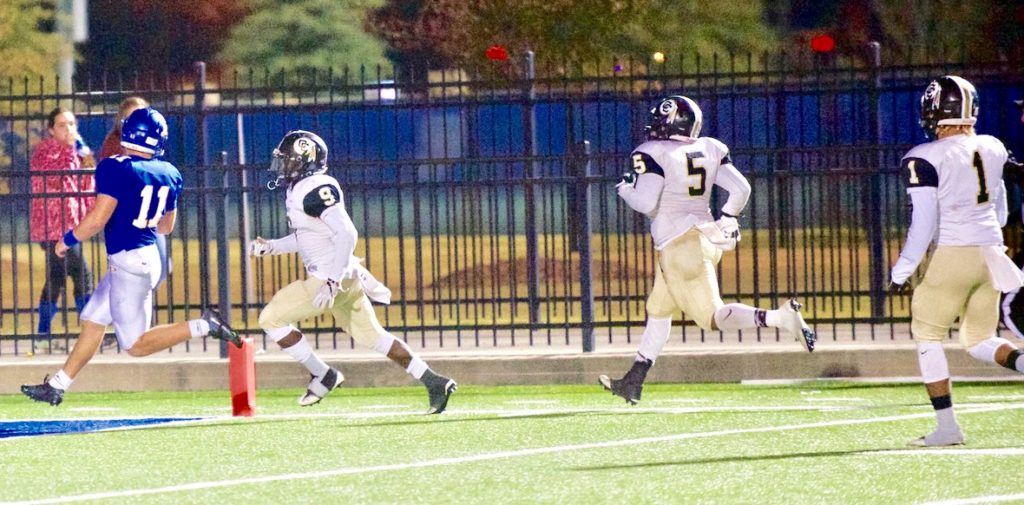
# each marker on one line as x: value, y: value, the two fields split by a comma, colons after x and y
x: 145, y: 190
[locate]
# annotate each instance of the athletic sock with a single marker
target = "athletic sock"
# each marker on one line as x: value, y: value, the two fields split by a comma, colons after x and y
x: 198, y: 328
x: 303, y: 353
x: 737, y: 316
x: 61, y: 380
x: 770, y: 318
x: 653, y: 340
x: 943, y: 406
x: 417, y: 368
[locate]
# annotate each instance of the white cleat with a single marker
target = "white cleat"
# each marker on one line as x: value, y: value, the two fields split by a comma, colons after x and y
x: 794, y: 324
x: 319, y: 387
x: 940, y: 438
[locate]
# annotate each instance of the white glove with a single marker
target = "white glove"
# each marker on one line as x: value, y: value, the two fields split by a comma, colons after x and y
x: 324, y: 298
x: 725, y: 234
x: 260, y: 247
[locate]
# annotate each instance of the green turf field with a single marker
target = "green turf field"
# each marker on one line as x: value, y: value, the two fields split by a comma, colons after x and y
x: 817, y: 443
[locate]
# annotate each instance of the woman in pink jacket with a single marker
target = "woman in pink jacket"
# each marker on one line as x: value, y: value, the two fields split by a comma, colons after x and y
x: 60, y: 200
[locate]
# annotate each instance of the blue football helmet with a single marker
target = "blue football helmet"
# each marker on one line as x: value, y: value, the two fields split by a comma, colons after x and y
x: 145, y: 130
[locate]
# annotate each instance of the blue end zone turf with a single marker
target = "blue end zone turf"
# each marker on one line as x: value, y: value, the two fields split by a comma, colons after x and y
x: 35, y: 428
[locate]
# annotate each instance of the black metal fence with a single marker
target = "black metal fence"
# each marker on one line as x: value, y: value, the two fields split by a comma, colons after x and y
x: 486, y: 201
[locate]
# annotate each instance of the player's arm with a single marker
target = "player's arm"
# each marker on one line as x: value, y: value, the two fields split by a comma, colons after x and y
x: 263, y: 247
x: 91, y: 224
x: 641, y: 187
x: 166, y: 224
x: 922, y: 187
x: 731, y: 180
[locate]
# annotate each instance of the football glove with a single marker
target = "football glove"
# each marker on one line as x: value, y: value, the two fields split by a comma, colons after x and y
x: 628, y: 178
x: 324, y: 298
x: 900, y: 289
x: 260, y: 247
x: 723, y: 234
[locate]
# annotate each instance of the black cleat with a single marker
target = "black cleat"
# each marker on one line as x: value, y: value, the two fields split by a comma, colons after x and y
x: 44, y: 392
x: 319, y: 387
x: 220, y: 330
x: 439, y: 391
x: 627, y: 389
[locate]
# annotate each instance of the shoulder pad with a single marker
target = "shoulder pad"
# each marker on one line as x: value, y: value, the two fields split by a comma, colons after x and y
x: 320, y: 198
x: 918, y: 172
x: 644, y: 163
x: 722, y: 153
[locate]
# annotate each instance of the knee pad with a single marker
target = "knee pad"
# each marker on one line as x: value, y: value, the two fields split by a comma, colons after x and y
x: 384, y: 343
x: 932, y: 360
x: 986, y: 349
x: 276, y: 334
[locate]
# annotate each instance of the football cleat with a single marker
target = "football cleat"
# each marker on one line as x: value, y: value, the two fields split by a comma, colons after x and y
x: 219, y: 329
x: 940, y: 438
x: 44, y: 392
x: 795, y: 325
x: 439, y: 391
x: 319, y: 387
x: 625, y: 388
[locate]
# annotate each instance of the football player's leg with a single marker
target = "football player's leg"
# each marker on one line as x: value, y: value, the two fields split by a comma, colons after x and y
x: 294, y: 303
x: 978, y: 331
x: 355, y: 313
x: 688, y: 264
x: 935, y: 305
x: 95, y: 318
x: 660, y: 308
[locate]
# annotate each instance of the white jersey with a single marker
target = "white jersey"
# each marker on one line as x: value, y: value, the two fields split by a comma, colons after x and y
x: 306, y: 201
x: 689, y: 168
x: 967, y: 173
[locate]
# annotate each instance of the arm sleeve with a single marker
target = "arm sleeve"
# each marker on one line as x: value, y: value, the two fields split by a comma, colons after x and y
x: 1002, y: 206
x: 345, y: 236
x: 643, y: 196
x: 731, y: 180
x: 923, y: 223
x: 284, y: 245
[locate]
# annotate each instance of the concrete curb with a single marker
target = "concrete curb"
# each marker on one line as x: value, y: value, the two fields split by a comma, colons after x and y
x: 720, y: 365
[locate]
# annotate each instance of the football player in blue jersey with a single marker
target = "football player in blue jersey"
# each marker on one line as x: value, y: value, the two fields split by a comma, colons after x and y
x: 136, y: 198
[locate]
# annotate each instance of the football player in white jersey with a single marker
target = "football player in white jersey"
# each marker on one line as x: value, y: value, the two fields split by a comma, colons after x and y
x: 671, y: 183
x: 325, y: 238
x: 958, y: 201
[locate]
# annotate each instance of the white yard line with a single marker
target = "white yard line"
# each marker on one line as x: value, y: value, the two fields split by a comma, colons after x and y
x: 980, y: 499
x: 483, y: 457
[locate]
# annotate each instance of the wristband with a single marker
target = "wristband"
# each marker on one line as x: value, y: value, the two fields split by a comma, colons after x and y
x: 69, y: 239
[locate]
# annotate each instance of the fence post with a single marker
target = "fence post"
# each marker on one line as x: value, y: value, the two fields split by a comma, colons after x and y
x: 582, y: 169
x: 875, y: 236
x: 223, y: 263
x: 530, y: 228
x: 202, y: 162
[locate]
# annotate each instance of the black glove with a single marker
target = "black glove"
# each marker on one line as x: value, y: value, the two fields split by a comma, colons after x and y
x: 627, y: 178
x: 900, y: 289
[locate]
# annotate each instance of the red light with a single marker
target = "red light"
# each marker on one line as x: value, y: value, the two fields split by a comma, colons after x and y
x: 823, y: 43
x: 496, y: 53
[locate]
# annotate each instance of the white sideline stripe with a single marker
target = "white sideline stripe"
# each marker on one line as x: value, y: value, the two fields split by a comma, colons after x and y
x: 979, y: 499
x: 941, y: 451
x: 482, y: 457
